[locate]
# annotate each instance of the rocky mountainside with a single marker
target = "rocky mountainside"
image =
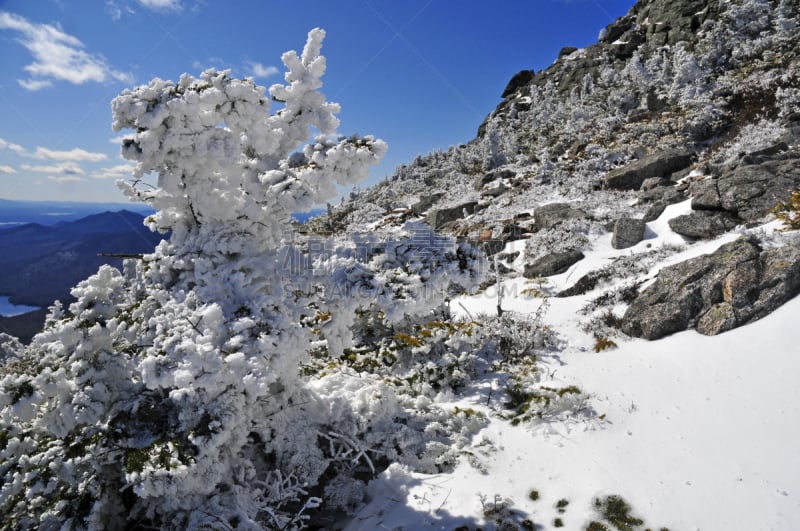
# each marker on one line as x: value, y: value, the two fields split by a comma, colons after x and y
x: 47, y: 261
x: 678, y: 100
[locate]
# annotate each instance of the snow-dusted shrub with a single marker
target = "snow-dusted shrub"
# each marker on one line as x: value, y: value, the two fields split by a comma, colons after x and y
x: 170, y: 395
x: 752, y: 137
x: 10, y: 347
x: 789, y: 212
x: 567, y: 236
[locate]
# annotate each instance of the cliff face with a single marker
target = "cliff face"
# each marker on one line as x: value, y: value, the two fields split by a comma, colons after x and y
x: 677, y: 100
x: 716, y: 78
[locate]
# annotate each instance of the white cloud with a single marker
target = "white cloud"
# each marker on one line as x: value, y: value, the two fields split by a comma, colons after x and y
x: 76, y: 154
x: 7, y: 169
x: 113, y: 10
x: 64, y: 168
x: 16, y: 148
x: 116, y: 10
x: 161, y: 5
x: 259, y: 70
x: 34, y: 84
x: 57, y: 55
x: 65, y: 178
x: 114, y: 172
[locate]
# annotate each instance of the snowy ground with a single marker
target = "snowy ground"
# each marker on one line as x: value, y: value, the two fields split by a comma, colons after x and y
x: 694, y: 432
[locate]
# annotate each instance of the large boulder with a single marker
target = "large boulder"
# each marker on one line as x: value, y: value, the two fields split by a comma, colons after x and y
x: 547, y: 216
x: 440, y: 216
x: 751, y: 191
x: 552, y: 264
x: 425, y: 203
x: 487, y: 178
x: 627, y: 233
x: 737, y: 284
x: 704, y: 224
x: 521, y: 79
x: 705, y: 195
x: 662, y: 164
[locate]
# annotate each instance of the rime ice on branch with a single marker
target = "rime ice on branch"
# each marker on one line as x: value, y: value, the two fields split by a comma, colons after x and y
x: 224, y: 163
x: 170, y: 395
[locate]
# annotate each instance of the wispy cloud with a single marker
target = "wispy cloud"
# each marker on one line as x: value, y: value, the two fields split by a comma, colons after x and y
x: 16, y: 148
x: 34, y: 84
x: 74, y: 155
x: 259, y: 70
x: 7, y: 169
x: 65, y: 179
x: 161, y: 5
x: 64, y: 168
x: 117, y: 8
x: 58, y: 56
x: 114, y: 172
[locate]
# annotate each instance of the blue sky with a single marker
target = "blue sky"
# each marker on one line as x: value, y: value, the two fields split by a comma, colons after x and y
x: 420, y: 74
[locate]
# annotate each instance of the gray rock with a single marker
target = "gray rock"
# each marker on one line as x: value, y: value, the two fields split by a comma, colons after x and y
x: 752, y: 191
x: 654, y: 182
x: 704, y: 224
x: 771, y: 150
x: 705, y: 195
x: 520, y: 79
x: 494, y: 245
x: 628, y: 43
x: 663, y: 194
x: 425, y: 203
x: 552, y: 264
x: 586, y: 283
x: 733, y: 286
x: 483, y: 180
x: 661, y: 164
x: 654, y: 211
x: 547, y: 216
x: 627, y: 233
x: 496, y: 191
x: 439, y: 217
x: 566, y: 50
x: 616, y: 29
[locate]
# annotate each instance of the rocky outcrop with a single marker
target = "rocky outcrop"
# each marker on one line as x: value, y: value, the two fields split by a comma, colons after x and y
x: 704, y: 224
x: 627, y: 233
x: 495, y: 191
x: 520, y: 79
x: 737, y: 284
x: 440, y: 216
x: 552, y: 264
x: 632, y: 176
x: 487, y: 178
x: 751, y: 191
x: 547, y: 216
x: 742, y: 192
x: 425, y: 203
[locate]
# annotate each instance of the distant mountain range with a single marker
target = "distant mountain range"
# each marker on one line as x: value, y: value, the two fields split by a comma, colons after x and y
x: 52, y: 245
x: 42, y: 263
x: 15, y: 213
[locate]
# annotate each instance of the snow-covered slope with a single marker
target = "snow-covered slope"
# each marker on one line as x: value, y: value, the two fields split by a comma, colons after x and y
x: 695, y: 432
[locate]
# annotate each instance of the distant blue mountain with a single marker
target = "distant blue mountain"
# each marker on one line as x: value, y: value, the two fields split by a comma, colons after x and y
x: 44, y: 262
x: 48, y: 247
x: 15, y: 213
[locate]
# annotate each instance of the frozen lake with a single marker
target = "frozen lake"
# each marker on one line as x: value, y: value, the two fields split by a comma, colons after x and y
x: 9, y: 310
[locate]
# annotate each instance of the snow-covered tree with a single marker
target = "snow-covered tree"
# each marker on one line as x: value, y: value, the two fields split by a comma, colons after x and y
x: 170, y: 394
